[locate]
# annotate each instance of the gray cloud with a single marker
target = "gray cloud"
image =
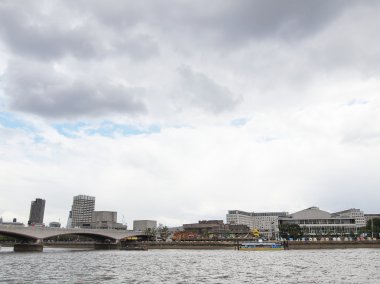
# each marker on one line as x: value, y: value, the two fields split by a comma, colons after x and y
x: 31, y: 32
x: 205, y: 93
x: 229, y: 22
x: 88, y: 29
x: 38, y: 89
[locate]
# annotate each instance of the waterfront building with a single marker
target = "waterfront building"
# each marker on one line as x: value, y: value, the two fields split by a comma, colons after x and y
x: 215, y: 229
x: 106, y: 220
x: 81, y: 211
x: 37, y: 210
x: 316, y: 222
x: 142, y: 225
x: 266, y: 222
x: 356, y: 214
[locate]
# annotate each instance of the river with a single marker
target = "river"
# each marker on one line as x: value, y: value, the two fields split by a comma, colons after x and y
x: 191, y: 266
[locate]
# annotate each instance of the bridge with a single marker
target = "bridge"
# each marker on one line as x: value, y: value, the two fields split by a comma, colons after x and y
x: 36, y: 235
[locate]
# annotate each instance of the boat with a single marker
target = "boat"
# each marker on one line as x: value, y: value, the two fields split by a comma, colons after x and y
x: 261, y: 246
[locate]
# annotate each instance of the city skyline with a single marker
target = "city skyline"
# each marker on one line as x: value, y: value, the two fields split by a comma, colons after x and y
x: 84, y: 206
x: 177, y: 111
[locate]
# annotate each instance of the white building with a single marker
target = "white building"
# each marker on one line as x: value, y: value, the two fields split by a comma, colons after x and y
x: 265, y: 222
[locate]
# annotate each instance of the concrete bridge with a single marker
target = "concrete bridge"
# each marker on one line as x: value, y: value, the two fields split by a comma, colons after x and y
x: 36, y: 235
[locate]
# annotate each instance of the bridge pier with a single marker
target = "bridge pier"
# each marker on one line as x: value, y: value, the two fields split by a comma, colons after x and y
x: 28, y: 247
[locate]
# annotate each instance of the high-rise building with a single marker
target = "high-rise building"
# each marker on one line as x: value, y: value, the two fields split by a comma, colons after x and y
x: 83, y: 206
x: 37, y: 210
x: 70, y: 220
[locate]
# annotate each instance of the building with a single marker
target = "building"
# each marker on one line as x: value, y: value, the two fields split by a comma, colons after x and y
x: 265, y: 222
x: 81, y: 211
x: 55, y: 225
x: 356, y: 214
x: 70, y: 220
x: 216, y: 229
x: 37, y: 210
x: 203, y: 227
x: 142, y: 225
x: 316, y: 222
x: 106, y: 220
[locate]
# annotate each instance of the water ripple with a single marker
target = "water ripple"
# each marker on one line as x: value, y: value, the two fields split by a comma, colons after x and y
x: 190, y: 266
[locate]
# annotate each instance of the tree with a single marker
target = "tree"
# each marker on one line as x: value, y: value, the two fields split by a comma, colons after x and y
x: 293, y: 231
x: 151, y: 234
x: 164, y: 233
x: 373, y: 225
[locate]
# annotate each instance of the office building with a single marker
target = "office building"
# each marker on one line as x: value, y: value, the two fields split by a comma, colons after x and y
x: 37, y: 210
x: 81, y: 211
x: 142, y: 225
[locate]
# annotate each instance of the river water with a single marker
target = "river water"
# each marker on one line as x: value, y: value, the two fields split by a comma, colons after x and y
x: 191, y: 266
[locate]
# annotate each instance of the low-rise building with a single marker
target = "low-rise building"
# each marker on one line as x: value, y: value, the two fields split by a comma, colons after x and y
x: 216, y: 229
x: 105, y: 220
x: 55, y: 225
x: 265, y: 222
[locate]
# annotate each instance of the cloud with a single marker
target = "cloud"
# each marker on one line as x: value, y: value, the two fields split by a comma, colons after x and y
x: 181, y: 103
x: 52, y: 31
x: 228, y: 22
x: 203, y: 92
x: 39, y: 89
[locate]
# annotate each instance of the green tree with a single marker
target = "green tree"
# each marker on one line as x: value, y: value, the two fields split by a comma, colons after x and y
x: 293, y: 231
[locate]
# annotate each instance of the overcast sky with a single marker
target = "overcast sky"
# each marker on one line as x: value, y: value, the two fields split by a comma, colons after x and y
x: 181, y: 110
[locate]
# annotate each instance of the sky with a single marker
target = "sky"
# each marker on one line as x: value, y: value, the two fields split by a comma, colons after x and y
x: 179, y: 111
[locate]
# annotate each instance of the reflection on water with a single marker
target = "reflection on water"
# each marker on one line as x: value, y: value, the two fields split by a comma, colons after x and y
x: 190, y: 266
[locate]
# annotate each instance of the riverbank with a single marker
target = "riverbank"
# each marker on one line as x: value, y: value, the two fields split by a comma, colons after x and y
x: 224, y: 245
